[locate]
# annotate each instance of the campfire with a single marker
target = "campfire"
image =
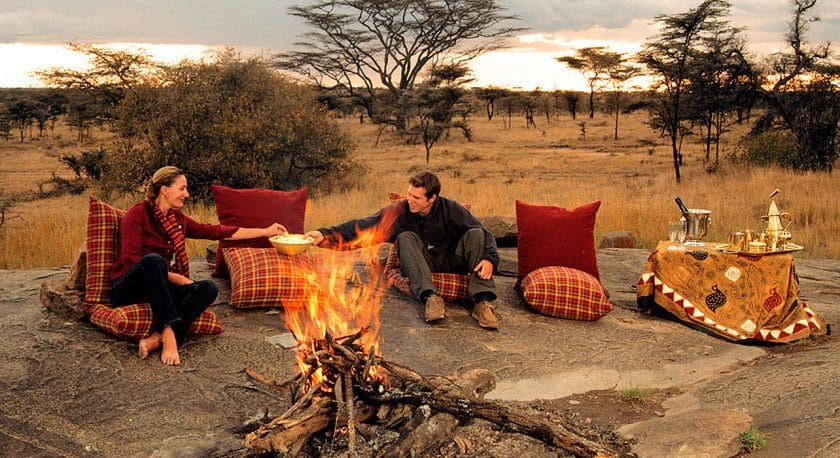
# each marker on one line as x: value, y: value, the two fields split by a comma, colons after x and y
x: 345, y: 389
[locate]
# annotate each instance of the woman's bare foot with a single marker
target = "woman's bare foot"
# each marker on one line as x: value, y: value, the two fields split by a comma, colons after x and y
x: 148, y: 345
x: 169, y: 354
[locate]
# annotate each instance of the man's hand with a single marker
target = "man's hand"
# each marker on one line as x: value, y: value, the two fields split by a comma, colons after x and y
x: 316, y: 237
x: 484, y: 269
x: 178, y: 279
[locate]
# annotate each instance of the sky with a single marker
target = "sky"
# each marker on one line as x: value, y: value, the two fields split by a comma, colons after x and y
x: 33, y: 33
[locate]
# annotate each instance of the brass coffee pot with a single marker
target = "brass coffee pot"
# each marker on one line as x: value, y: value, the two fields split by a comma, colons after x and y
x: 776, y: 227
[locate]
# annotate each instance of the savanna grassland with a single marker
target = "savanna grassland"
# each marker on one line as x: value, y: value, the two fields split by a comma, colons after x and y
x: 553, y: 164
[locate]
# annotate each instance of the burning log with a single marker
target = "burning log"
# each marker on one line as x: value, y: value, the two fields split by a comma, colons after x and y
x: 354, y: 390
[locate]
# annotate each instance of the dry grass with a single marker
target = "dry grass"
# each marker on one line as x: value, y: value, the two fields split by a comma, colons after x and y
x: 633, y: 177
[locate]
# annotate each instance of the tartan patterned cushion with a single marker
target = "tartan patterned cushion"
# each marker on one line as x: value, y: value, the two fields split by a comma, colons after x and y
x: 135, y: 321
x: 128, y: 321
x: 261, y: 277
x: 451, y: 287
x: 103, y: 230
x: 566, y: 293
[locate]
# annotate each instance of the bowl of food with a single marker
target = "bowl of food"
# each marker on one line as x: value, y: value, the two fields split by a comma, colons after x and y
x: 290, y: 244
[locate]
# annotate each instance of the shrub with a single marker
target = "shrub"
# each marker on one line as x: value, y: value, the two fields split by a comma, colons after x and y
x: 634, y: 394
x: 773, y: 147
x: 91, y: 163
x: 752, y: 439
x: 231, y: 122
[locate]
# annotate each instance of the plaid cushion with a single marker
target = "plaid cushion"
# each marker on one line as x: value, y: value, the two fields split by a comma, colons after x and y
x: 261, y: 277
x: 135, y: 321
x: 128, y: 321
x: 451, y: 287
x: 566, y: 293
x: 103, y: 231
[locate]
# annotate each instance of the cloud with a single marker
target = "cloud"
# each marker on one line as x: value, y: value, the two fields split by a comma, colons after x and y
x: 254, y: 23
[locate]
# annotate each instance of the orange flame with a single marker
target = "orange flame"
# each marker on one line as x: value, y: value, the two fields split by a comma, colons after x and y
x: 341, y: 303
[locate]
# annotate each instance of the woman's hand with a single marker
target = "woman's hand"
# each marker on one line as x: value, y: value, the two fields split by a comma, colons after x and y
x: 245, y: 233
x: 275, y: 229
x: 178, y: 279
x: 316, y: 237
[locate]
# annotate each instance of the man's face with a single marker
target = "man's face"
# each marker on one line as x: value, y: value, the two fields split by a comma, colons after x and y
x: 418, y: 202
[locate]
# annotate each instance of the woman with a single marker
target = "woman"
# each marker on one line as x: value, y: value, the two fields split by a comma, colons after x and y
x: 151, y: 234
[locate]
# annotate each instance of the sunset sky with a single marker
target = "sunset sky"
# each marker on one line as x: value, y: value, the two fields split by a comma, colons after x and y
x: 33, y: 32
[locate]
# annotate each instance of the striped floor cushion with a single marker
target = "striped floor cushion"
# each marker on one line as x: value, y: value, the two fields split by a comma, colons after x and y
x: 134, y: 321
x: 261, y: 277
x: 451, y: 287
x: 129, y: 321
x: 566, y: 293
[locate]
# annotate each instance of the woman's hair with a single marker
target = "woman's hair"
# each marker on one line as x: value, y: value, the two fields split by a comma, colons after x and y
x: 164, y: 176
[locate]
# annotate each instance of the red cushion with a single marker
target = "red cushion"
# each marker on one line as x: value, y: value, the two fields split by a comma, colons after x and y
x: 554, y: 236
x: 262, y: 277
x: 256, y: 207
x: 566, y: 293
x: 450, y: 286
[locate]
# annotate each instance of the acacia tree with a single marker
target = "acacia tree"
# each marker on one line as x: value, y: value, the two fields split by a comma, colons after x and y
x: 723, y: 81
x: 111, y: 74
x: 572, y: 99
x: 438, y: 105
x: 618, y: 73
x: 669, y: 56
x: 594, y: 64
x: 364, y: 45
x: 489, y: 95
x: 22, y: 113
x: 805, y: 99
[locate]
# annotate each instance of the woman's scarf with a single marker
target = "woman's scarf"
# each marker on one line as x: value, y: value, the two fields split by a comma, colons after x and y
x: 179, y: 241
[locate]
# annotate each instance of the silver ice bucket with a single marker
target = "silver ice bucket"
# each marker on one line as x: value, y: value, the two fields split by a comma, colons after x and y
x: 697, y: 223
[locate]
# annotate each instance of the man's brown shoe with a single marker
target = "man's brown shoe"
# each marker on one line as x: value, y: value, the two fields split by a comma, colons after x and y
x: 483, y: 312
x: 435, y: 308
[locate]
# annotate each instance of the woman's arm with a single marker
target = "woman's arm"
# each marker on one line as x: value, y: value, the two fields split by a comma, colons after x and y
x: 252, y: 232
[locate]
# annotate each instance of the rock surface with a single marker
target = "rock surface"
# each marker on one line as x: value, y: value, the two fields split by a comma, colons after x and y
x: 68, y: 389
x: 619, y: 239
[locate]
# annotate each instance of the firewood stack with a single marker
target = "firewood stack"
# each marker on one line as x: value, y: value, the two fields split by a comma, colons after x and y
x: 360, y: 394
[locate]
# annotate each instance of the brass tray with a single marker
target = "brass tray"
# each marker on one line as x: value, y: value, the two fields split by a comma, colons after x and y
x: 788, y: 248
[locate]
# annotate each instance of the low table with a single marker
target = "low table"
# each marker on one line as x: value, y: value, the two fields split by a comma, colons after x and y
x: 737, y: 296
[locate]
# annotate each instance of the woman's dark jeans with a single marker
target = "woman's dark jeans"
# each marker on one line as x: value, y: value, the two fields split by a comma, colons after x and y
x: 172, y: 305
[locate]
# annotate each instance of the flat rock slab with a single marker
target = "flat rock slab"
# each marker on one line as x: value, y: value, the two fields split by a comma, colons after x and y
x: 706, y: 432
x: 69, y: 389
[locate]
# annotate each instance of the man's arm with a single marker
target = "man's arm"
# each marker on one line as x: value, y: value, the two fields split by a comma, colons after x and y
x: 462, y: 218
x: 343, y: 235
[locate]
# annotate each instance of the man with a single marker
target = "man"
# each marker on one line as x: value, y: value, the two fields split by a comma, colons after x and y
x: 432, y: 234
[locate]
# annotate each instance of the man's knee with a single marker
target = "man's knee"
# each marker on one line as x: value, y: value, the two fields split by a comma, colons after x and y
x: 408, y: 237
x: 476, y: 234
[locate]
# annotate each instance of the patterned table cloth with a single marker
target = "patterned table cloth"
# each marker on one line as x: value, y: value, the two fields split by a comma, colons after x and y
x: 736, y: 296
